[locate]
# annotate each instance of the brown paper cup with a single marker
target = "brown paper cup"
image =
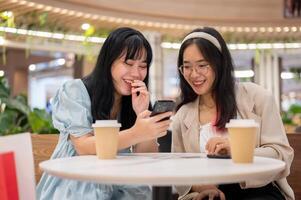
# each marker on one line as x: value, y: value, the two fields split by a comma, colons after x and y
x: 106, y: 138
x: 242, y: 136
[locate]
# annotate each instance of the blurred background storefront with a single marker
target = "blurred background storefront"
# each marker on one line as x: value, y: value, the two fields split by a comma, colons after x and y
x: 45, y: 43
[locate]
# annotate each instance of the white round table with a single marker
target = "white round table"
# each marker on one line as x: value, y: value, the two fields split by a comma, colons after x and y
x: 161, y: 169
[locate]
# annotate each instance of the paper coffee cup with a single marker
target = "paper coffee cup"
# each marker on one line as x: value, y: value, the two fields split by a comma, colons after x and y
x: 106, y: 138
x: 242, y: 136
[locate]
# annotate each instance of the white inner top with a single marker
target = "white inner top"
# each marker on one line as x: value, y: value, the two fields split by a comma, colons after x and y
x: 207, y: 132
x: 106, y: 123
x: 242, y: 123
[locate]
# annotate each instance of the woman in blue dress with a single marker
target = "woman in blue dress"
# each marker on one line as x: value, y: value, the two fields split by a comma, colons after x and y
x: 116, y: 89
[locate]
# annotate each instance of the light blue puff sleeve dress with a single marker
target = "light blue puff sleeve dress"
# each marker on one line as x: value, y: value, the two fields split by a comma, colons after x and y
x: 72, y: 116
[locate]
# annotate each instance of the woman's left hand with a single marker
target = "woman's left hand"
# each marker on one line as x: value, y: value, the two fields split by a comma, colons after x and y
x: 140, y: 96
x: 218, y: 145
x: 207, y: 192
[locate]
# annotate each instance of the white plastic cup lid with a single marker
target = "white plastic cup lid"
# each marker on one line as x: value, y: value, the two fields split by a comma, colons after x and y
x: 240, y: 123
x: 106, y: 123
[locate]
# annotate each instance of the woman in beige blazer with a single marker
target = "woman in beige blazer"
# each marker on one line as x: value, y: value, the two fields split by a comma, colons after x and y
x: 209, y: 99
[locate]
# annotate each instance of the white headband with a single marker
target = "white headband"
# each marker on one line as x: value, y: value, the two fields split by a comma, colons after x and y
x: 205, y: 36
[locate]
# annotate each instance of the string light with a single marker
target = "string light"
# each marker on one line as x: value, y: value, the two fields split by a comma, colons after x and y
x: 163, y: 25
x: 243, y: 46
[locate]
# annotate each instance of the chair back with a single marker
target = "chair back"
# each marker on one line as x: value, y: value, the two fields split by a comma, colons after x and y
x: 20, y: 145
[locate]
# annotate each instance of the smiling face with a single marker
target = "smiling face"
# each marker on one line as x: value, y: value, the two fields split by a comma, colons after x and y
x: 200, y: 82
x: 124, y: 72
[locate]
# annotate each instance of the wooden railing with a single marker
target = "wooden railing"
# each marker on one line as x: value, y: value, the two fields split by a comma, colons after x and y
x: 43, y: 146
x: 294, y: 179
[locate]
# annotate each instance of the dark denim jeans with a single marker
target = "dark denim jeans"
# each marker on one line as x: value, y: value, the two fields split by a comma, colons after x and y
x: 268, y: 192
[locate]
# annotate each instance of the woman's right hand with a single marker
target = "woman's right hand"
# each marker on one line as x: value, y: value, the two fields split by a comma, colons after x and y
x: 149, y: 128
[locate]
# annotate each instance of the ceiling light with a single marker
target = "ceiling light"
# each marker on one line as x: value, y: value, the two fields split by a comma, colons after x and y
x: 1, y: 73
x: 22, y: 31
x: 231, y: 29
x: 85, y: 26
x: 149, y: 24
x: 278, y: 46
x: 71, y: 12
x: 187, y: 27
x: 87, y: 15
x: 247, y: 29
x: 126, y: 21
x: 2, y: 41
x: 95, y: 17
x: 142, y: 23
x: 23, y: 2
x: 8, y: 14
x: 31, y: 4
x: 286, y: 29
x: 252, y: 46
x: 223, y: 29
x: 119, y: 20
x: 287, y: 75
x: 243, y: 73
x: 79, y: 14
x: 134, y: 22
x: 262, y: 29
x: 48, y: 8
x: 64, y: 11
x: 40, y: 6
x: 57, y: 35
x: 112, y: 19
x: 239, y: 29
x: 270, y: 29
x: 57, y: 10
x: 292, y: 45
x: 264, y: 46
x: 242, y: 46
x: 32, y: 67
x: 60, y: 61
x: 103, y: 18
x: 254, y: 29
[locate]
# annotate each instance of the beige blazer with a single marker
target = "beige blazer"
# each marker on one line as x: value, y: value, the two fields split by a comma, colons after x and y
x: 253, y: 102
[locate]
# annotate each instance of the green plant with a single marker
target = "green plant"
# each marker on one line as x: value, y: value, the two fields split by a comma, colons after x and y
x: 16, y: 116
x: 286, y: 119
x: 40, y: 121
x: 294, y: 109
x: 292, y: 116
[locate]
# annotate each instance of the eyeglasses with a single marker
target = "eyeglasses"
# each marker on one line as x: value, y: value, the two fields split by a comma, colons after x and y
x: 200, y: 68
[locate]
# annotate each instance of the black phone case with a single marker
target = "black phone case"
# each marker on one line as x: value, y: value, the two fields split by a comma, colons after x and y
x: 163, y: 106
x: 219, y: 156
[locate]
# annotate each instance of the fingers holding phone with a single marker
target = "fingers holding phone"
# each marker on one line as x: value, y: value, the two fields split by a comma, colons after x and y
x: 161, y: 116
x: 155, y: 124
x: 148, y: 128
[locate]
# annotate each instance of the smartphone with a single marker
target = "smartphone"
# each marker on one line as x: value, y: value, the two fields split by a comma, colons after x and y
x: 162, y: 106
x: 219, y: 156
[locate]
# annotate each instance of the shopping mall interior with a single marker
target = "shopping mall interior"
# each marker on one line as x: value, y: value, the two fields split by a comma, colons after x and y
x: 45, y: 43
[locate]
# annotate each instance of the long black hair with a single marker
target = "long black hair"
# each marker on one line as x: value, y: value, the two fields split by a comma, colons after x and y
x: 223, y: 88
x: 122, y: 41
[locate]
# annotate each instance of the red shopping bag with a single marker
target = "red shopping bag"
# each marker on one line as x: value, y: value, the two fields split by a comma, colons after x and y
x: 8, y: 177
